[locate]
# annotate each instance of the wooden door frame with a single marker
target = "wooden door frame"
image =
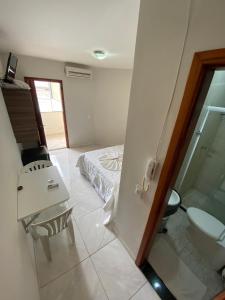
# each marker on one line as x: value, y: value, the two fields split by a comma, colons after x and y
x: 184, y: 127
x: 30, y: 81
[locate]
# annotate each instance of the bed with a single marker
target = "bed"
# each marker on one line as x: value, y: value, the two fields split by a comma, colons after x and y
x: 102, y: 168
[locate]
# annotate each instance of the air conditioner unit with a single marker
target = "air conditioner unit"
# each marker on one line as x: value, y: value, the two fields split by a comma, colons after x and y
x: 73, y: 71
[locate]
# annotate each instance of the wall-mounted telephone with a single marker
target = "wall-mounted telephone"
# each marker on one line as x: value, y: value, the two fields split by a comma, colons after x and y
x: 150, y: 172
x: 151, y: 167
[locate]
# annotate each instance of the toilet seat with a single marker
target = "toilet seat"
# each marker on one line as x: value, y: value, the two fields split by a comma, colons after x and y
x: 206, y: 223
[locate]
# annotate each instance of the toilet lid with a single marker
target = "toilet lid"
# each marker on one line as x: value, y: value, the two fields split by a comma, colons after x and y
x: 206, y: 222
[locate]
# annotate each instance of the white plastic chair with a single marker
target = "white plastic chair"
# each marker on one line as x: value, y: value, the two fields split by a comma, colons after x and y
x: 31, y: 167
x: 36, y: 165
x: 49, y: 228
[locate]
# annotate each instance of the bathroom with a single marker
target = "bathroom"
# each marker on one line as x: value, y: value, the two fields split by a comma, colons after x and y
x: 188, y: 254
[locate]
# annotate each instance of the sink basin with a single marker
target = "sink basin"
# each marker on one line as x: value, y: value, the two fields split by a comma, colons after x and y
x: 173, y: 203
x: 174, y: 198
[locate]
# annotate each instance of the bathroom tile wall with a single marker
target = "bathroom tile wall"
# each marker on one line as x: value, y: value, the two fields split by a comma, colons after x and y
x: 212, y: 168
x: 206, y: 172
x: 200, y: 152
x: 211, y: 178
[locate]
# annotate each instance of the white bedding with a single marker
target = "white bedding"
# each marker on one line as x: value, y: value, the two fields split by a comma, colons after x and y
x: 105, y: 182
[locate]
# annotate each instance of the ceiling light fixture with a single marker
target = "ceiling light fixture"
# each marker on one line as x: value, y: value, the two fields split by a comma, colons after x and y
x: 99, y: 54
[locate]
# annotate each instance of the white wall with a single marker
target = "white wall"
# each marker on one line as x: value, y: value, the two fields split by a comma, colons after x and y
x: 111, y: 105
x: 87, y: 102
x: 161, y: 33
x: 53, y: 122
x: 78, y: 93
x: 17, y: 272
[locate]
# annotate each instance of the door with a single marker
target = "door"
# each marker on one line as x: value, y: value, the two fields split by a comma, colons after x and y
x: 195, y: 165
x: 48, y: 99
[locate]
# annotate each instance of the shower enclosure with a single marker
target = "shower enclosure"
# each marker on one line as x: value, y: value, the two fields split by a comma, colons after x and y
x: 201, y: 180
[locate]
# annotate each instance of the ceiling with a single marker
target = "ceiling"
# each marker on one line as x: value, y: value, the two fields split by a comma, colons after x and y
x: 70, y: 30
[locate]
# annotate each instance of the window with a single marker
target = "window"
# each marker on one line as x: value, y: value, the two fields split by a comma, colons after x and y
x: 49, y: 96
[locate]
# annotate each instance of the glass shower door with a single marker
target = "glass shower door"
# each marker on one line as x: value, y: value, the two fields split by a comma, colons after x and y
x: 201, y: 180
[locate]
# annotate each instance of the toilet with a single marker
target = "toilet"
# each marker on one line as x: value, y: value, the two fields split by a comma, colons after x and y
x: 208, y: 235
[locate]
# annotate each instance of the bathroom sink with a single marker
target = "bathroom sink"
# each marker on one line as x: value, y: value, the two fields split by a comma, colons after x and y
x: 173, y: 204
x: 174, y: 198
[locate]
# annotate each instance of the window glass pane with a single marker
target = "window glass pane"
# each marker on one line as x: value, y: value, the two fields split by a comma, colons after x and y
x: 45, y: 105
x: 56, y: 105
x: 56, y: 96
x: 49, y: 96
x: 43, y: 90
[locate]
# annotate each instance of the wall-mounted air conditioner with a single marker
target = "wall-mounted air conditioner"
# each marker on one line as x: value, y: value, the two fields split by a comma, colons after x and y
x: 77, y: 72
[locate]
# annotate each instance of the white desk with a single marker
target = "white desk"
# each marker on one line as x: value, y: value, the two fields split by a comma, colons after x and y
x: 35, y: 195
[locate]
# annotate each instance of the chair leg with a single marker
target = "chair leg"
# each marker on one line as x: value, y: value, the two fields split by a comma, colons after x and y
x: 71, y: 231
x: 46, y: 246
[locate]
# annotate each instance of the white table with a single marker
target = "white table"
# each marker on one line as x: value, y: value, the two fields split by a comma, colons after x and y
x: 35, y: 195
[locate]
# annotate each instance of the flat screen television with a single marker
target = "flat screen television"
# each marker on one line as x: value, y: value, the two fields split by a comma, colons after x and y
x: 11, y: 68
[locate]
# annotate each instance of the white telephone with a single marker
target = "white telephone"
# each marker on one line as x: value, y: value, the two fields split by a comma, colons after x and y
x: 150, y: 172
x: 151, y: 167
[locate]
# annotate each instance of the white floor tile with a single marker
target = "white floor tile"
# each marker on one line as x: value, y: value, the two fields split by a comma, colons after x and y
x: 145, y: 293
x: 178, y: 278
x: 95, y: 234
x: 83, y: 196
x: 118, y: 273
x: 64, y: 256
x: 81, y: 283
x: 120, y: 278
x: 56, y: 141
x: 60, y: 159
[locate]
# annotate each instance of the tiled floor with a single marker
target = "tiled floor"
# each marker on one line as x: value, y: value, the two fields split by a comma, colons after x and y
x: 97, y: 267
x: 176, y: 275
x: 179, y: 238
x: 56, y: 141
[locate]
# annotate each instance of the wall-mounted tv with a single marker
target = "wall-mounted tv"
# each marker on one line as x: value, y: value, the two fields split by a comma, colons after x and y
x: 11, y: 68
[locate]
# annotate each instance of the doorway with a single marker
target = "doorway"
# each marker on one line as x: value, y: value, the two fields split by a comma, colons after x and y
x: 195, y: 167
x: 48, y: 100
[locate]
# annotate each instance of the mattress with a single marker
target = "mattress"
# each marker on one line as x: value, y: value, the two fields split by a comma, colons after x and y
x: 106, y: 181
